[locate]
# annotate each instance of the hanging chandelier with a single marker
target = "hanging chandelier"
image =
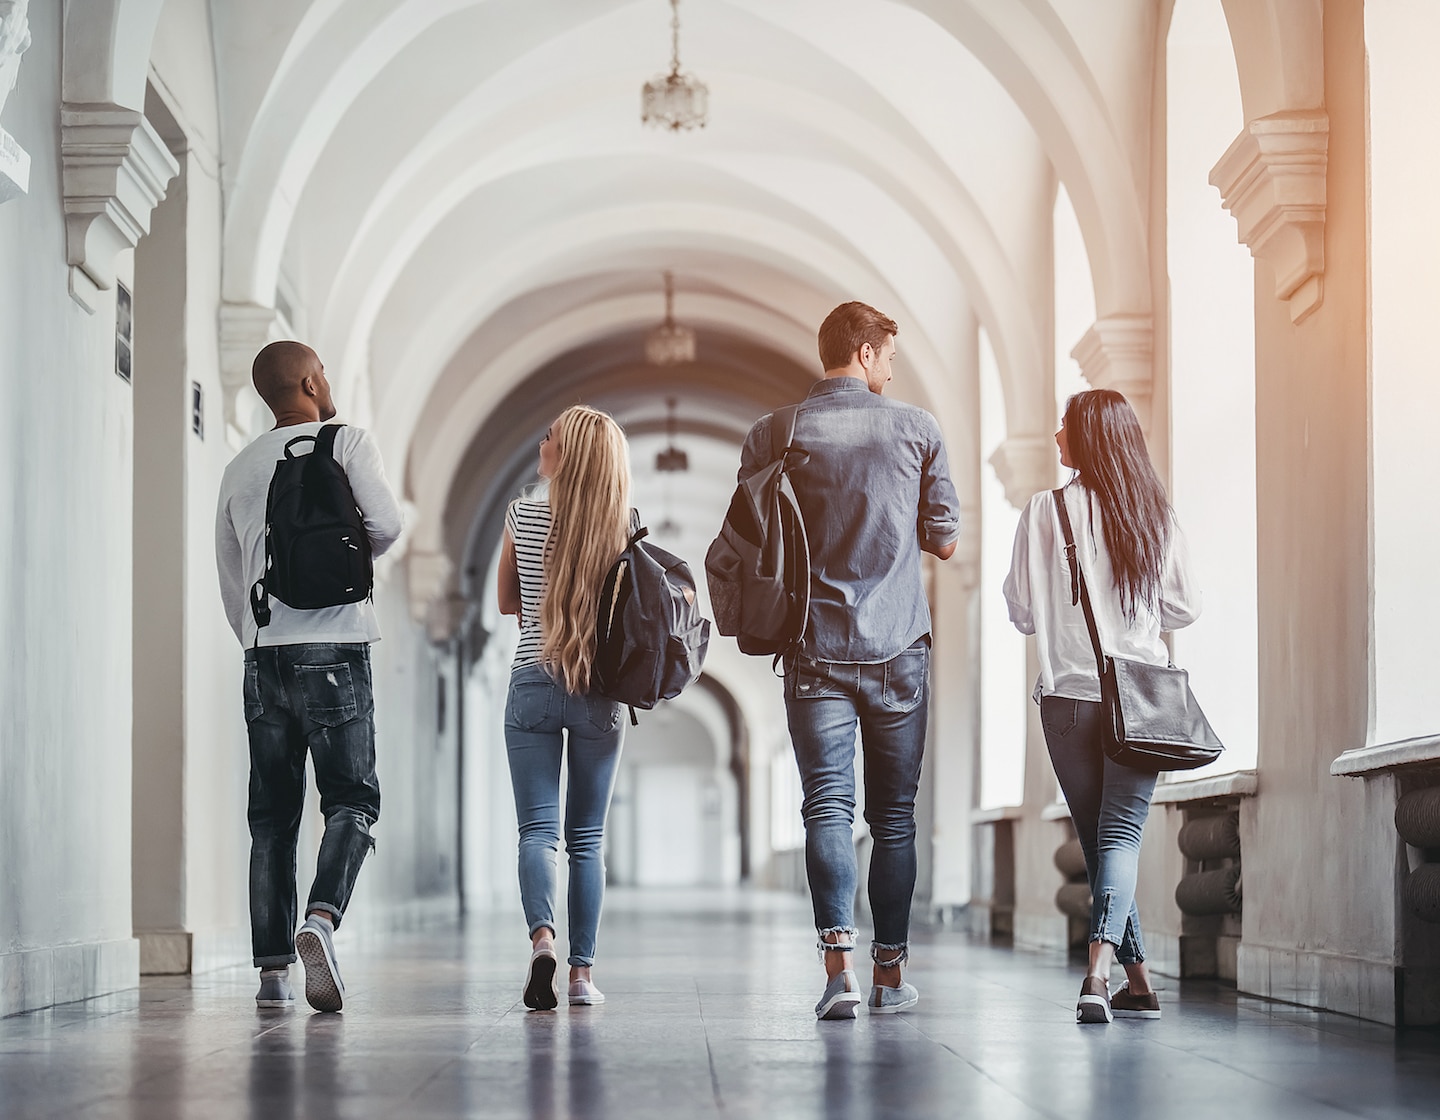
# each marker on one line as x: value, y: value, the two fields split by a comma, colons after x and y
x: 675, y: 101
x: 670, y: 344
x: 672, y: 459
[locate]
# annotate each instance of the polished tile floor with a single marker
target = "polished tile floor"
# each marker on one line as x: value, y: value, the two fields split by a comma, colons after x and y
x: 709, y: 1015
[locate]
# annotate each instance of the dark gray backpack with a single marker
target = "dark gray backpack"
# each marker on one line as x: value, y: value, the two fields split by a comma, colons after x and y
x: 758, y: 568
x: 650, y: 637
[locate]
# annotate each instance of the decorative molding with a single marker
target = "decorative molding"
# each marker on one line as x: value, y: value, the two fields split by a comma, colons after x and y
x: 115, y: 169
x: 245, y: 329
x: 1368, y: 762
x: 431, y: 584
x: 14, y: 168
x: 1026, y: 465
x: 14, y: 42
x: 1241, y: 783
x: 1118, y: 352
x: 1272, y: 179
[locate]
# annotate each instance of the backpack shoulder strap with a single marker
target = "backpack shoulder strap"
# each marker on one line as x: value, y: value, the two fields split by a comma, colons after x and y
x: 782, y: 429
x: 325, y: 440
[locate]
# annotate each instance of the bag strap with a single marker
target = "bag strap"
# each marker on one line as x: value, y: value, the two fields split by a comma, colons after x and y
x: 1079, y: 592
x: 782, y: 434
x: 325, y: 440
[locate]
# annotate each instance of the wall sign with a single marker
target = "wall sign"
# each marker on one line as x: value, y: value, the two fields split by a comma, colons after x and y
x: 197, y: 409
x: 124, y: 330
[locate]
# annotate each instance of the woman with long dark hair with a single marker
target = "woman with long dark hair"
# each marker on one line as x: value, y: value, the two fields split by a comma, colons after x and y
x: 559, y: 543
x: 1136, y: 566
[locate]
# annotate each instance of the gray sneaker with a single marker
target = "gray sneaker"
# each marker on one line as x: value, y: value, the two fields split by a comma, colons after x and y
x: 275, y: 990
x: 888, y: 1001
x: 323, y: 987
x: 842, y: 996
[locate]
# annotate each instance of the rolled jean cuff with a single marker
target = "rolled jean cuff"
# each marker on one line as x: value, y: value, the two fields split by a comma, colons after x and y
x: 275, y: 962
x: 334, y: 912
x: 580, y: 962
x: 900, y: 951
x: 542, y: 923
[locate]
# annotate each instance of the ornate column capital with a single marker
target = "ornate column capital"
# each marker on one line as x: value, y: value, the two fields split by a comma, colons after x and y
x: 1026, y: 465
x: 115, y: 169
x: 245, y: 328
x: 1118, y: 353
x: 431, y: 587
x: 1272, y: 179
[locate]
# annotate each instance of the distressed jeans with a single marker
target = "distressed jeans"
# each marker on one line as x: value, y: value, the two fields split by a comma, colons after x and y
x: 313, y: 698
x: 542, y: 723
x: 1108, y: 806
x: 825, y: 701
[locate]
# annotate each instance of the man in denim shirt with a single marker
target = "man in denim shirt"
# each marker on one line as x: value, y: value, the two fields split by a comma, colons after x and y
x: 874, y: 491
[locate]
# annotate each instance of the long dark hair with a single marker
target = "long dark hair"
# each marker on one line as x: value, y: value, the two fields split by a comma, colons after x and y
x: 1108, y: 450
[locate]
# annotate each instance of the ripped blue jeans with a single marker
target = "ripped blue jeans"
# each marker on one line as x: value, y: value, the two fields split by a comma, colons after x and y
x: 1108, y: 806
x: 317, y: 699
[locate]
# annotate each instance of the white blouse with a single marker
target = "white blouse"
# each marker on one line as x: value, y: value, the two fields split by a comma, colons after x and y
x: 1038, y: 593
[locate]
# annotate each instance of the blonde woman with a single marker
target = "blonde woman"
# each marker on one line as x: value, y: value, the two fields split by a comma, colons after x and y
x: 558, y: 546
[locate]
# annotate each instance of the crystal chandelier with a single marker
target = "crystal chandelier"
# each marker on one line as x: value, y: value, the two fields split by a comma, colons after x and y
x: 675, y: 101
x: 670, y: 344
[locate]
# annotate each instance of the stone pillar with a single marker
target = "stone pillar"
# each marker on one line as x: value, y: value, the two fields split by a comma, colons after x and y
x: 1118, y: 353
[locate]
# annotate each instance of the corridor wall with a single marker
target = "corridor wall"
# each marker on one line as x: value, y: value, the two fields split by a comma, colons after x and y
x: 65, y: 705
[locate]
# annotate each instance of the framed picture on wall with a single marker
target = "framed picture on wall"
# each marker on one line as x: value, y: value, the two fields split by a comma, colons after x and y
x: 124, y: 330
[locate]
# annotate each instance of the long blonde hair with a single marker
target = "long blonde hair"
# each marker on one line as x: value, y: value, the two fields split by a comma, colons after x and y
x: 589, y: 528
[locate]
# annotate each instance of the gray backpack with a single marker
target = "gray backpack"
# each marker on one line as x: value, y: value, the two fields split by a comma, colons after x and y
x: 758, y: 568
x: 650, y: 637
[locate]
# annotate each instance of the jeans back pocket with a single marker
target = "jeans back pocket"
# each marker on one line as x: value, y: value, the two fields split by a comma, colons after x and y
x: 328, y: 692
x: 528, y: 704
x: 905, y: 676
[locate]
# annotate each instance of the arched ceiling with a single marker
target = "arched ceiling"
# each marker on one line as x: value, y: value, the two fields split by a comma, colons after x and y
x: 459, y: 199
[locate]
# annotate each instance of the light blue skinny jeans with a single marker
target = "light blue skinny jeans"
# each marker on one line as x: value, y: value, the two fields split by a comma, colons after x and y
x: 1108, y: 806
x: 542, y: 720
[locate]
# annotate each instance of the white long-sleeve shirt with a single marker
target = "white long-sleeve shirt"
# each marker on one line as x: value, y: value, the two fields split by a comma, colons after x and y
x: 1037, y: 591
x: 240, y: 536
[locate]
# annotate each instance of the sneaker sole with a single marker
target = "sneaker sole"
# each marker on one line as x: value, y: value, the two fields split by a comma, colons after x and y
x: 540, y: 985
x: 322, y: 986
x: 586, y: 1001
x: 842, y: 1005
x: 274, y: 1003
x: 1093, y: 1009
x: 1119, y: 1014
x: 894, y: 1008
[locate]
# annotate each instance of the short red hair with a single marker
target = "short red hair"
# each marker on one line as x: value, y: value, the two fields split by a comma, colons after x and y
x: 849, y: 327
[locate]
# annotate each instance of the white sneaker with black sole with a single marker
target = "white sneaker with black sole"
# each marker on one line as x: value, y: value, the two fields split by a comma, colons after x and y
x: 315, y: 943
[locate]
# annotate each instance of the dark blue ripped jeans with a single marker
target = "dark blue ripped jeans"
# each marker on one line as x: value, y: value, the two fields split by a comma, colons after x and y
x: 1108, y: 806
x: 300, y: 698
x: 825, y: 702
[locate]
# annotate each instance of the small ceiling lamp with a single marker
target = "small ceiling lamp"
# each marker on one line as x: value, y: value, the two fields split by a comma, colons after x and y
x: 672, y: 460
x: 675, y: 101
x: 670, y: 344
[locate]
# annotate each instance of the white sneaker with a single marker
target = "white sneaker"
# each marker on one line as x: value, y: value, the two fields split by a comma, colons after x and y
x: 585, y: 994
x: 315, y: 944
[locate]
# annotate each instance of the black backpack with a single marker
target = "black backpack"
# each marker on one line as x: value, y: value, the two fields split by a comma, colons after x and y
x: 650, y: 637
x: 758, y: 568
x: 317, y: 552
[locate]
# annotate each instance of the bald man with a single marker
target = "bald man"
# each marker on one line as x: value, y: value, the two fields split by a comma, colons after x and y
x: 307, y: 685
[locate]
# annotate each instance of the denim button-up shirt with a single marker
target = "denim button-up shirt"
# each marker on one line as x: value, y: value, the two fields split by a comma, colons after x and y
x: 876, y: 484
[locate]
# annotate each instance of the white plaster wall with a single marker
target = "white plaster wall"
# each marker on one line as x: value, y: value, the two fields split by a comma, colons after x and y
x: 1405, y: 391
x: 65, y: 461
